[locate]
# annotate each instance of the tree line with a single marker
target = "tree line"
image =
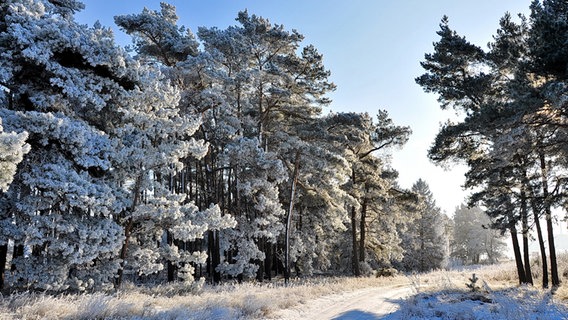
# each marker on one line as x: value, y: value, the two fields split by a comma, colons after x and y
x: 193, y: 157
x: 512, y: 134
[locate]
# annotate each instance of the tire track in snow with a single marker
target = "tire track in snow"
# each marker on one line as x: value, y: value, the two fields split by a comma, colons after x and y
x: 366, y: 304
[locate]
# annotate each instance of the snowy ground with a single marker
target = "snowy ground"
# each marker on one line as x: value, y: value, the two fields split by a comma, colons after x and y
x: 368, y: 303
x: 523, y: 303
x: 440, y: 295
x: 401, y: 303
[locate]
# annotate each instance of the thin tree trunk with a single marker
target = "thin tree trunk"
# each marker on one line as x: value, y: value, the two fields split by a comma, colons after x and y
x: 552, y: 249
x: 128, y: 230
x: 3, y: 258
x: 261, y: 244
x: 535, y: 210
x: 518, y: 258
x: 268, y: 261
x: 355, y: 260
x: 170, y: 265
x: 18, y: 252
x: 362, y: 230
x: 210, y: 249
x: 525, y: 233
x: 540, y: 244
x: 549, y: 227
x: 289, y: 217
x: 216, y: 257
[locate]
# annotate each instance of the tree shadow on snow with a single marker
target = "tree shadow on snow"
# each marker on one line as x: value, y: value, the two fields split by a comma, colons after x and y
x: 364, y: 315
x: 358, y: 315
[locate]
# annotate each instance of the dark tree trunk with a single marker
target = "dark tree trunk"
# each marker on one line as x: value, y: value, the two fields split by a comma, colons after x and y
x: 543, y: 257
x: 525, y: 232
x: 18, y: 252
x: 552, y: 249
x: 128, y: 230
x: 362, y: 229
x: 123, y: 251
x: 289, y: 217
x: 518, y: 258
x: 171, y: 267
x: 216, y: 257
x: 268, y: 261
x: 260, y: 272
x: 536, y: 217
x: 3, y: 258
x: 355, y: 259
x: 549, y: 227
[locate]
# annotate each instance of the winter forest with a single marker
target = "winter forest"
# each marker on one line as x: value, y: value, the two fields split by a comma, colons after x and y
x: 212, y: 156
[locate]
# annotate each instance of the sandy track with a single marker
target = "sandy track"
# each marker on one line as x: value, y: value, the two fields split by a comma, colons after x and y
x: 365, y: 304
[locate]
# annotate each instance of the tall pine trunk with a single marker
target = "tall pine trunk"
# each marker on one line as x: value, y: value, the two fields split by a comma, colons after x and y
x: 354, y: 257
x: 525, y: 233
x: 536, y: 217
x: 171, y: 267
x: 549, y: 227
x: 128, y: 230
x: 289, y: 217
x: 362, y: 229
x: 17, y: 253
x: 540, y: 244
x: 3, y: 258
x: 261, y: 244
x: 268, y: 261
x: 518, y: 258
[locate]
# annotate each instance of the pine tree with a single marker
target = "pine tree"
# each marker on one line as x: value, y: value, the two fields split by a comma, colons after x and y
x: 87, y: 201
x: 58, y: 78
x: 473, y: 237
x: 423, y: 242
x: 510, y: 134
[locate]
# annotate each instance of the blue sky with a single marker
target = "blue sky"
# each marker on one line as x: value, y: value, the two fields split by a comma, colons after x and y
x: 372, y: 48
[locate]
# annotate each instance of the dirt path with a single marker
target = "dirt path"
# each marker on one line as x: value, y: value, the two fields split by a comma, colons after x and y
x: 364, y: 304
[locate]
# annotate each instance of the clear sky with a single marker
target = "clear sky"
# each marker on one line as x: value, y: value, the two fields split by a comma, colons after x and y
x: 372, y: 48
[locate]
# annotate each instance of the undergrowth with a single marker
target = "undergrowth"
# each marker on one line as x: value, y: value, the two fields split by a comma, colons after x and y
x: 230, y: 300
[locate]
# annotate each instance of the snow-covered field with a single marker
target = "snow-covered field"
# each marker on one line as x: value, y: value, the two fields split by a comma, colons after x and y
x: 444, y: 295
x: 437, y: 295
x: 522, y: 303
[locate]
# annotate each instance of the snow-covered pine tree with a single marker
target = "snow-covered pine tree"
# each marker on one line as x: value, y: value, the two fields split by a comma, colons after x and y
x: 513, y: 97
x: 58, y: 77
x: 12, y: 150
x: 86, y: 202
x: 274, y: 93
x: 203, y: 179
x: 423, y: 242
x: 473, y: 238
x: 360, y: 139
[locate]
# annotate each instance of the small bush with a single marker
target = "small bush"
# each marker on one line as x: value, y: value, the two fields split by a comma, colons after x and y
x: 386, y: 272
x: 472, y: 285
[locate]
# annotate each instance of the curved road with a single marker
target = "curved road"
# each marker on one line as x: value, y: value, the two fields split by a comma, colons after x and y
x: 364, y: 304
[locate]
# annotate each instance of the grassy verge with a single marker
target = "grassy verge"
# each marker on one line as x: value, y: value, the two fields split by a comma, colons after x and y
x: 261, y: 300
x: 227, y: 301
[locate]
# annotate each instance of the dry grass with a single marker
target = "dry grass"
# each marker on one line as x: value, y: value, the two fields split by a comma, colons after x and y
x: 227, y: 301
x: 493, y: 277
